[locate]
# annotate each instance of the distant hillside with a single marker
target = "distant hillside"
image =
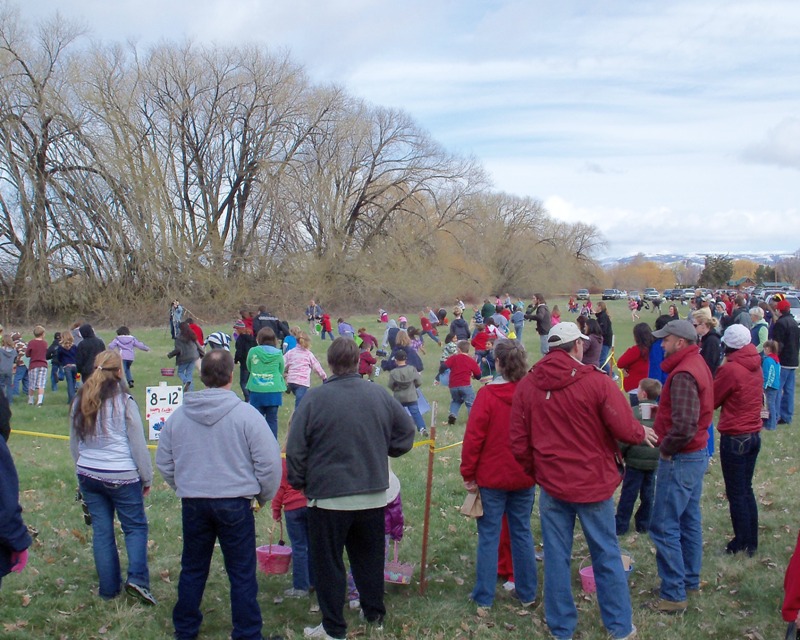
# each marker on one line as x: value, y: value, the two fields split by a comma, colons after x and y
x: 764, y: 257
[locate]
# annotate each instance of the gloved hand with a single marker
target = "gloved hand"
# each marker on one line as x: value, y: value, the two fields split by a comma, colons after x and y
x: 19, y: 559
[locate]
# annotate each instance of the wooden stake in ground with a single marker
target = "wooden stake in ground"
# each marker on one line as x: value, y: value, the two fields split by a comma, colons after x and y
x: 423, y: 583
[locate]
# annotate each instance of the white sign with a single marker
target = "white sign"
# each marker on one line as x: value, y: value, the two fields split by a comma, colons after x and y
x: 161, y: 401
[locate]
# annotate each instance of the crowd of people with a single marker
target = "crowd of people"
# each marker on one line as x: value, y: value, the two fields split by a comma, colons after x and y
x: 561, y: 425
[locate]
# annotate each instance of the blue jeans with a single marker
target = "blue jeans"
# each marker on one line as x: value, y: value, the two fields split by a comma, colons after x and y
x: 787, y: 395
x: 544, y: 346
x: 126, y: 367
x: 102, y: 500
x: 771, y: 423
x: 229, y: 520
x: 20, y: 376
x: 7, y: 384
x: 416, y: 416
x: 432, y: 335
x: 297, y: 528
x: 675, y: 526
x: 54, y: 373
x: 641, y: 484
x: 737, y: 455
x: 270, y: 413
x: 459, y: 396
x: 70, y: 374
x: 710, y: 446
x: 517, y: 505
x: 604, y: 351
x: 186, y: 374
x: 330, y: 333
x: 613, y: 596
x: 518, y: 328
x: 299, y: 391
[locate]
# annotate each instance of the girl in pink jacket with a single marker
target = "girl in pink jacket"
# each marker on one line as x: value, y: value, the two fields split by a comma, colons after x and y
x: 298, y: 364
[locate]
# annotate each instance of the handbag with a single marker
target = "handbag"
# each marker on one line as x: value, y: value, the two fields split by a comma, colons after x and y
x: 764, y: 407
x: 472, y: 507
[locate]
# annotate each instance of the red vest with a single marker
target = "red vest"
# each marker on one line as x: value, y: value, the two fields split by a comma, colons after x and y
x: 687, y: 360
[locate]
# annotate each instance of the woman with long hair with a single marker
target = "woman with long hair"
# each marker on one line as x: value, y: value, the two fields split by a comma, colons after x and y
x: 66, y: 356
x: 114, y: 475
x: 591, y: 352
x: 636, y: 360
x: 488, y: 466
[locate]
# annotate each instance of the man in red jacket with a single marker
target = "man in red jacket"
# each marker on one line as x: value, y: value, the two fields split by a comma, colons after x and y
x: 684, y: 413
x: 566, y: 419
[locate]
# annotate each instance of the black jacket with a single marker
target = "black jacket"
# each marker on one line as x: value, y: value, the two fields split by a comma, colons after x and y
x: 87, y: 350
x: 604, y: 321
x: 787, y: 333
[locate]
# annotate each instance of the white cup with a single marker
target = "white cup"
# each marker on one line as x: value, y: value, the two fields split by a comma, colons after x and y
x: 647, y: 410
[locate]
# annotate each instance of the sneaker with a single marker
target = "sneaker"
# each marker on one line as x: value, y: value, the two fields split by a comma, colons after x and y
x: 451, y: 419
x: 631, y: 635
x: 509, y: 586
x: 670, y: 606
x: 140, y: 592
x: 317, y: 632
x: 130, y: 384
x: 424, y: 432
x: 377, y: 625
x: 295, y: 593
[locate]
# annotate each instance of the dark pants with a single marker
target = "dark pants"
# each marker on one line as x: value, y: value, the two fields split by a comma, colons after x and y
x: 362, y: 534
x: 738, y: 456
x: 641, y: 484
x: 205, y: 520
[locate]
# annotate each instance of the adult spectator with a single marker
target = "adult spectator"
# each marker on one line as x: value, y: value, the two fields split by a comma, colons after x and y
x: 488, y: 466
x: 738, y: 390
x: 787, y: 334
x: 114, y: 475
x: 709, y: 340
x: 685, y: 410
x: 87, y: 351
x: 313, y: 313
x: 604, y: 320
x: 265, y: 319
x: 591, y: 350
x: 346, y: 484
x: 216, y: 454
x: 741, y: 312
x: 542, y: 317
x: 175, y: 319
x: 566, y: 419
x: 759, y: 333
x: 657, y: 351
x: 14, y: 537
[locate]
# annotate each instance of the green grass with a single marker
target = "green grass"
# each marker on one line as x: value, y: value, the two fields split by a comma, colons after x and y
x: 56, y: 595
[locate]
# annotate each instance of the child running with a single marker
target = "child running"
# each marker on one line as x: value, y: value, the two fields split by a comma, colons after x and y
x: 298, y: 364
x: 125, y: 343
x: 403, y: 382
x: 462, y: 369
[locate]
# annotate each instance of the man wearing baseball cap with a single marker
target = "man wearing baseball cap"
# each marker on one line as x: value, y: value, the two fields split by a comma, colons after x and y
x: 685, y: 411
x: 566, y: 419
x: 787, y: 334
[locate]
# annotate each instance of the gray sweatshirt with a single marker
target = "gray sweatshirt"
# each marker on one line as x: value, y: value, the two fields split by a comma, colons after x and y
x: 216, y: 446
x: 403, y: 381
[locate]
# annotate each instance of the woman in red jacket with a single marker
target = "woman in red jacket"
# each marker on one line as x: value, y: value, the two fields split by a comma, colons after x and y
x: 636, y: 360
x: 737, y: 389
x: 488, y: 466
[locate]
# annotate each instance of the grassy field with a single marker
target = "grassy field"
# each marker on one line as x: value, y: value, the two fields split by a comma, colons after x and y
x: 56, y: 595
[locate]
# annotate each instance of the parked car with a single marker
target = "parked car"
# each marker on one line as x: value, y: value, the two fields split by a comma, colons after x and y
x: 583, y: 294
x: 611, y: 294
x: 650, y: 293
x: 633, y: 293
x: 687, y: 294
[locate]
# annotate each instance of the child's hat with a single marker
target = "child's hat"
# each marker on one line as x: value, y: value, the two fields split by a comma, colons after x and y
x: 239, y: 324
x: 402, y: 319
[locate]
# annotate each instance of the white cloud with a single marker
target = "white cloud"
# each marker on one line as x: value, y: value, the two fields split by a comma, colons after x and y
x: 780, y: 146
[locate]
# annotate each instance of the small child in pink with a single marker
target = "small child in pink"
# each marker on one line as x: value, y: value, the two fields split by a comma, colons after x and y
x: 297, y: 366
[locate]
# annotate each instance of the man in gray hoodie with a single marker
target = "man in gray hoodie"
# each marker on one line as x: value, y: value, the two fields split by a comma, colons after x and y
x: 218, y: 455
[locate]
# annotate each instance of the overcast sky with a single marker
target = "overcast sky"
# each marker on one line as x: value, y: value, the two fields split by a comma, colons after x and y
x: 671, y: 126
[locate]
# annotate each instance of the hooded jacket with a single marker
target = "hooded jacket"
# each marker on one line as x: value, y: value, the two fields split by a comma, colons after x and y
x: 185, y: 351
x: 787, y: 333
x: 126, y: 345
x: 403, y: 382
x: 566, y: 418
x: 265, y: 364
x: 486, y: 454
x: 216, y: 446
x: 738, y: 389
x: 85, y: 353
